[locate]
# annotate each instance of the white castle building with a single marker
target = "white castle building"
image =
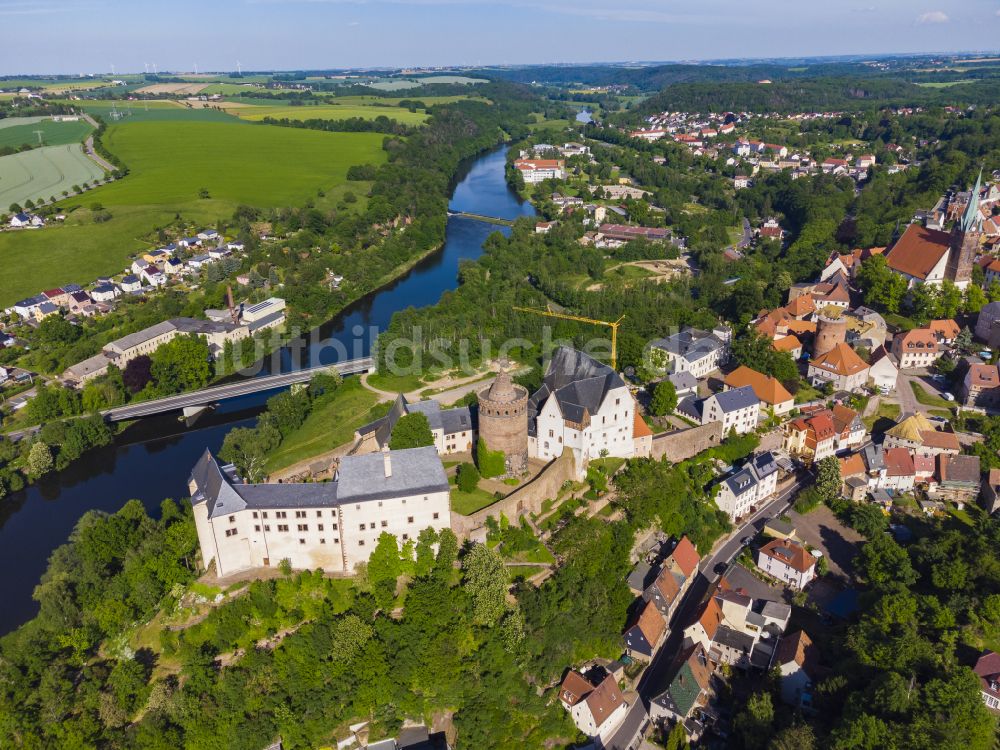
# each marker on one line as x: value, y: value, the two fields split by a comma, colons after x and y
x: 583, y: 405
x: 329, y: 525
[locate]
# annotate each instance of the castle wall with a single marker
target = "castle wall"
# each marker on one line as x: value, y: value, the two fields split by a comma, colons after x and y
x: 684, y: 444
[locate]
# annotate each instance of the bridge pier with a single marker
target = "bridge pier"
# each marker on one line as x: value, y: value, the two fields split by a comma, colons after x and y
x: 190, y: 412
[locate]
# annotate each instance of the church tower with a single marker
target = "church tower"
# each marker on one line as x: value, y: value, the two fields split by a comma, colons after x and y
x: 965, y: 237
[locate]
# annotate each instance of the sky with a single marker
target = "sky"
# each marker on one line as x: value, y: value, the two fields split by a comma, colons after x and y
x: 91, y: 36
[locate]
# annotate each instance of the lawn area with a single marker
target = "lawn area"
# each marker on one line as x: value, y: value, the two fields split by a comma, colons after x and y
x: 468, y: 503
x: 395, y: 383
x: 609, y: 465
x: 927, y: 399
x: 44, y: 173
x: 170, y: 163
x: 331, y: 112
x: 329, y: 425
x: 629, y: 273
x: 886, y: 414
x: 806, y: 393
x: 53, y: 133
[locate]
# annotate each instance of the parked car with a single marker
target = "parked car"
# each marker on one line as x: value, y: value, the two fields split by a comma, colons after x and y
x: 947, y: 396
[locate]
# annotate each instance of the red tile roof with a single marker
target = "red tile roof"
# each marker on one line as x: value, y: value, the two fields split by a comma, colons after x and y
x: 918, y: 251
x: 899, y: 463
x: 792, y: 554
x: 841, y: 360
x: 686, y: 557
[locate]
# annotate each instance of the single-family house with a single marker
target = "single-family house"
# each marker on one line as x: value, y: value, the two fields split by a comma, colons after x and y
x: 988, y: 670
x: 130, y: 284
x: 644, y: 636
x: 797, y: 659
x: 689, y: 686
x: 749, y: 487
x: 883, y: 371
x: 958, y: 477
x: 788, y: 561
x: 811, y: 438
x: 104, y: 293
x: 981, y: 386
x: 594, y: 700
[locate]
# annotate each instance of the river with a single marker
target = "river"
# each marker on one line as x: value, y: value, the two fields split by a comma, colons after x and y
x: 150, y: 460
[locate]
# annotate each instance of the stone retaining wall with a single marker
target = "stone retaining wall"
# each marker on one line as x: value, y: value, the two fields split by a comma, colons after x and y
x: 684, y: 444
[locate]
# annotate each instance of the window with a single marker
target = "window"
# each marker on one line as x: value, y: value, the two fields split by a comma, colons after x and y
x: 361, y: 542
x: 264, y: 515
x: 231, y: 532
x: 302, y: 541
x: 232, y: 519
x: 436, y: 516
x: 319, y: 514
x: 405, y: 537
x: 361, y: 527
x: 303, y: 527
x: 319, y: 527
x: 256, y: 527
x: 255, y: 514
x: 322, y: 541
x: 334, y: 527
x: 380, y: 503
x: 300, y: 514
x: 409, y: 519
x: 372, y: 524
x: 267, y: 527
x: 385, y: 524
x: 282, y: 527
x: 552, y: 433
x: 280, y: 514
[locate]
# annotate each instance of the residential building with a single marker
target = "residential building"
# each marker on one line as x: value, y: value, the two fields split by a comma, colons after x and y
x: 737, y: 630
x: 131, y: 284
x: 918, y: 347
x: 797, y: 659
x: 990, y: 498
x: 811, y: 438
x: 685, y: 384
x: 988, y: 323
x: 582, y: 405
x: 840, y: 366
x: 851, y: 431
x: 695, y: 351
x: 988, y: 670
x: 773, y: 396
x: 644, y: 636
x: 689, y: 686
x: 452, y: 428
x: 883, y: 371
x: 900, y: 472
x: 946, y: 331
x: 917, y: 434
x: 626, y: 232
x: 331, y: 525
x: 594, y: 700
x: 738, y: 409
x: 958, y: 477
x: 981, y: 386
x: 788, y: 561
x: 749, y: 487
x: 104, y: 293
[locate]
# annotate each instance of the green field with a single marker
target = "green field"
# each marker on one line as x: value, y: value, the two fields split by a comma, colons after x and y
x: 154, y: 111
x: 53, y: 133
x: 170, y: 163
x: 44, y: 172
x: 331, y: 112
x: 15, y: 122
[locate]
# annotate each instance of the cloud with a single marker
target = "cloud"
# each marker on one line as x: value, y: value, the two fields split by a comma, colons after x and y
x: 934, y: 16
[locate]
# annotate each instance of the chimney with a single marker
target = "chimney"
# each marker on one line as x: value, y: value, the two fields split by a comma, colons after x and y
x: 387, y: 463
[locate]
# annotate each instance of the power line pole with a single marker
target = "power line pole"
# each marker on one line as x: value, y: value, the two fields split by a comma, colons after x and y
x: 39, y: 133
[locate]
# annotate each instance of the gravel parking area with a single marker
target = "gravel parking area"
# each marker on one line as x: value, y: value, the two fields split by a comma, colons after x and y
x: 840, y: 543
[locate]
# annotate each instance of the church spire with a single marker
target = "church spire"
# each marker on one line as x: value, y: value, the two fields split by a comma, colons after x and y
x: 971, y: 219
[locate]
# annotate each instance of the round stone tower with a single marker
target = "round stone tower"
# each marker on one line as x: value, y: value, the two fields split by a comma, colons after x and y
x: 831, y: 330
x: 503, y: 421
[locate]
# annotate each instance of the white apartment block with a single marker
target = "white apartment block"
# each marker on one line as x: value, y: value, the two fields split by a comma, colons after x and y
x: 328, y: 525
x: 751, y: 486
x: 738, y: 409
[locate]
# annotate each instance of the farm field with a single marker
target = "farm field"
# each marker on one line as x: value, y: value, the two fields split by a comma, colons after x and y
x: 13, y: 122
x: 173, y: 88
x: 53, y: 133
x: 154, y: 110
x: 170, y: 163
x: 331, y: 112
x: 44, y: 172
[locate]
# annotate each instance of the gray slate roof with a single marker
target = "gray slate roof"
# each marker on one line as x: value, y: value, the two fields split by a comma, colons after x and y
x: 691, y: 344
x: 683, y: 380
x: 736, y: 399
x: 577, y: 381
x: 415, y: 471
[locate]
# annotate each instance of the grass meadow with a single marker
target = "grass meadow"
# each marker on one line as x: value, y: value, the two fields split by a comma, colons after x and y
x: 170, y: 162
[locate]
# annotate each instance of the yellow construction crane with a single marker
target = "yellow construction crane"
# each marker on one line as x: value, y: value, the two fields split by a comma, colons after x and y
x: 613, y: 325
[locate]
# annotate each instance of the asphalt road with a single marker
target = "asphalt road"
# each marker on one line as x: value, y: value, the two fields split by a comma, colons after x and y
x: 88, y: 148
x: 655, y: 679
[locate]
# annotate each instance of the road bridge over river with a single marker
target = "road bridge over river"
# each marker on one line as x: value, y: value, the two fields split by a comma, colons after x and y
x: 215, y: 393
x: 483, y: 218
